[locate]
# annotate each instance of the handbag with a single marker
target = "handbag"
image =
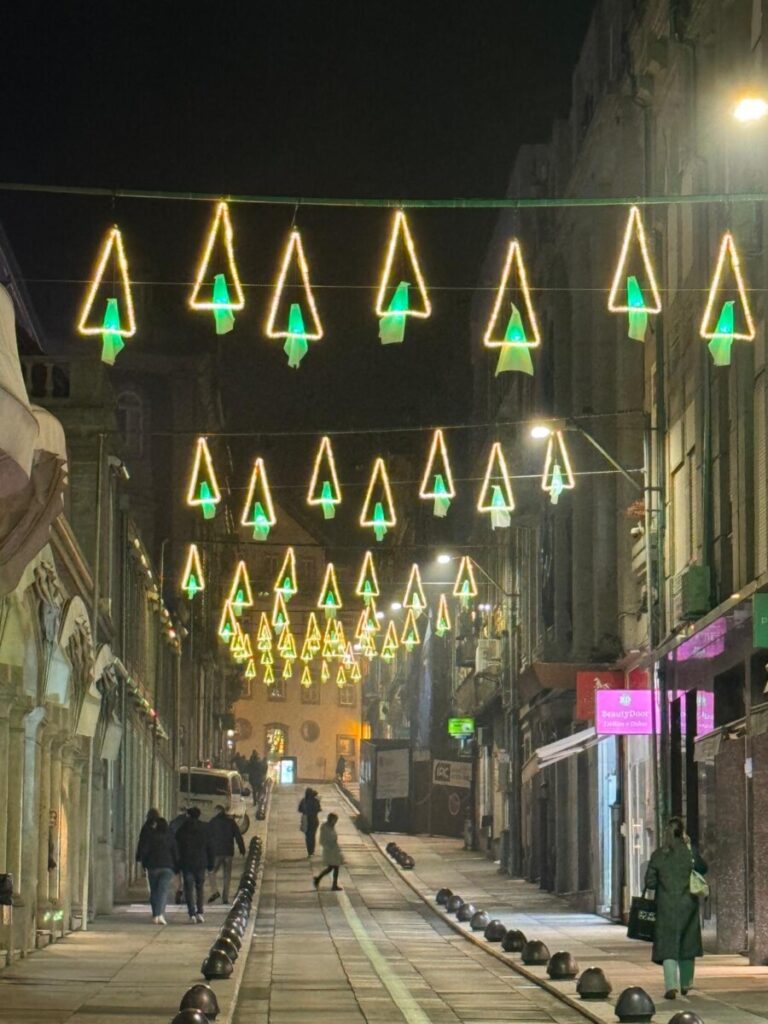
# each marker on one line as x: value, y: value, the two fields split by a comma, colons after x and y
x: 642, y: 919
x: 698, y: 884
x: 303, y: 823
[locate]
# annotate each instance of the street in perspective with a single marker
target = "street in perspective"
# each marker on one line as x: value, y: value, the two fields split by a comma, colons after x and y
x: 384, y: 513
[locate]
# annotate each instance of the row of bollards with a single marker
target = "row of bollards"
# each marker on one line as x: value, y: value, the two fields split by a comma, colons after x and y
x: 405, y: 860
x: 634, y: 1005
x: 263, y: 801
x: 199, y: 1004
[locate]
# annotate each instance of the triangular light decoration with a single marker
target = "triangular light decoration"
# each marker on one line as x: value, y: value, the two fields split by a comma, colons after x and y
x: 393, y: 303
x: 496, y: 493
x: 240, y: 594
x: 558, y: 475
x: 192, y: 580
x: 295, y: 332
x: 367, y: 582
x: 410, y: 635
x: 228, y: 624
x: 443, y: 619
x: 633, y: 300
x: 329, y: 599
x: 324, y: 489
x: 414, y: 598
x: 222, y: 305
x: 437, y: 483
x: 110, y: 326
x: 378, y: 507
x: 521, y: 329
x: 280, y: 617
x: 465, y: 587
x: 285, y: 583
x: 258, y: 510
x: 203, y: 490
x: 723, y: 331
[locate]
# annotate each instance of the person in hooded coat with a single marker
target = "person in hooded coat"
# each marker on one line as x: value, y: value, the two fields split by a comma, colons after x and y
x: 309, y: 809
x: 332, y: 855
x: 677, y: 941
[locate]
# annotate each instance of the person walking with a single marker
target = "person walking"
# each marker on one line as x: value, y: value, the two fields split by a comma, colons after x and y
x: 341, y: 767
x: 149, y: 823
x: 309, y: 809
x: 195, y: 857
x: 332, y: 856
x: 223, y: 833
x: 160, y: 859
x: 677, y: 941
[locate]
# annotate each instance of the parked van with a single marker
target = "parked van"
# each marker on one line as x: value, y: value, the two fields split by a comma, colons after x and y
x: 211, y: 787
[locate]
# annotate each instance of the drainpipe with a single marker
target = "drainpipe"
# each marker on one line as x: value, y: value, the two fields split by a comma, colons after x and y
x: 86, y: 879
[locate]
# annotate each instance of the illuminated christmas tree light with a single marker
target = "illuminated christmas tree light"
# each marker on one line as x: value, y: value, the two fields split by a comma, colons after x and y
x: 237, y: 647
x: 313, y: 634
x: 329, y: 599
x: 287, y: 669
x: 496, y: 493
x: 228, y: 624
x: 306, y: 677
x: 247, y: 648
x: 722, y: 333
x: 522, y: 330
x: 349, y: 656
x: 203, y: 490
x: 258, y: 511
x: 355, y: 673
x: 240, y: 594
x: 296, y: 333
x: 110, y: 328
x: 391, y: 643
x: 437, y: 483
x: 368, y: 645
x: 324, y: 489
x: 250, y: 669
x: 269, y: 676
x: 367, y: 582
x: 264, y: 634
x: 192, y: 579
x: 558, y: 475
x: 410, y: 635
x: 360, y: 629
x: 325, y: 672
x: 414, y: 598
x: 393, y: 315
x: 443, y: 618
x: 286, y: 646
x: 636, y: 307
x: 285, y: 582
x: 280, y: 617
x: 378, y: 507
x: 267, y: 658
x: 341, y: 677
x: 308, y: 651
x: 220, y: 303
x: 465, y: 587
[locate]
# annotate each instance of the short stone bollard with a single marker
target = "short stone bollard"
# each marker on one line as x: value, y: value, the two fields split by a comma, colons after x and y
x: 686, y: 1017
x: 190, y: 1017
x: 216, y: 966
x: 514, y: 941
x: 479, y: 921
x: 635, y: 1006
x: 453, y: 903
x: 466, y: 911
x: 226, y: 946
x: 562, y: 966
x: 203, y: 998
x: 534, y: 953
x: 495, y: 931
x: 593, y: 984
x: 442, y: 897
x: 228, y: 932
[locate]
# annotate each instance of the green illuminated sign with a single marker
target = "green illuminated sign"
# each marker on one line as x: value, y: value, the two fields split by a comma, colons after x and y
x: 461, y: 727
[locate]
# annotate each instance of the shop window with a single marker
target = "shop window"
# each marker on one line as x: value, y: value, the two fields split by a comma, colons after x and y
x: 275, y: 739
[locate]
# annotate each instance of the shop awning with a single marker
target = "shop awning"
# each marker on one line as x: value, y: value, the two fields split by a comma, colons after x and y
x: 551, y: 753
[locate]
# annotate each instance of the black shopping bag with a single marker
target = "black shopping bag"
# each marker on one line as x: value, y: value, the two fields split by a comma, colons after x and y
x: 642, y: 919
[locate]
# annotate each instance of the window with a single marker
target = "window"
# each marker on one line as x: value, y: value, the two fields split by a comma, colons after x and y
x: 348, y: 695
x: 130, y: 422
x: 275, y: 739
x: 310, y: 694
x: 277, y: 691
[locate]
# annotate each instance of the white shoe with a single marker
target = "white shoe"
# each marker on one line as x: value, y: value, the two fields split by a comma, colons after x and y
x: 161, y: 920
x: 155, y: 920
x: 200, y: 919
x: 192, y: 919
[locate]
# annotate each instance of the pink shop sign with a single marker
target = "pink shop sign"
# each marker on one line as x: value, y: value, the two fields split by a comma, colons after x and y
x: 624, y: 712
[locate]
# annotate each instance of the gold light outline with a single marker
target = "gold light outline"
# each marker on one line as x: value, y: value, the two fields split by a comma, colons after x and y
x: 330, y: 582
x: 443, y: 613
x: 288, y: 568
x: 280, y: 606
x: 113, y: 238
x: 259, y: 471
x: 202, y: 452
x: 438, y: 442
x: 221, y: 215
x: 241, y: 571
x: 633, y: 220
x: 727, y: 245
x: 324, y: 447
x: 410, y: 623
x: 306, y: 677
x: 399, y: 223
x: 514, y: 254
x: 227, y: 615
x: 556, y: 438
x: 294, y: 242
x: 193, y: 562
x: 414, y: 582
x: 465, y: 569
x: 496, y: 454
x: 379, y: 470
x: 368, y: 568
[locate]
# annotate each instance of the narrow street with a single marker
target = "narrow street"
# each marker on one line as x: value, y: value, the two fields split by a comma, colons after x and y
x: 374, y: 952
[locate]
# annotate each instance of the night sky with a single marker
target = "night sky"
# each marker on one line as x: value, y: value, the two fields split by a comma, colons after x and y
x: 417, y: 99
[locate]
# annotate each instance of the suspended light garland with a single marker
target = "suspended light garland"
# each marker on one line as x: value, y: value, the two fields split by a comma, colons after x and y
x: 393, y: 315
x: 110, y: 328
x: 329, y: 599
x: 264, y: 634
x: 285, y: 583
x: 269, y: 676
x: 465, y: 587
x: 203, y: 491
x: 286, y: 646
x: 636, y: 306
x: 414, y: 598
x: 391, y: 643
x: 250, y: 669
x: 367, y: 582
x: 437, y: 483
x: 307, y: 651
x: 258, y: 510
x: 722, y: 333
x: 306, y: 678
x: 267, y: 658
x: 220, y: 303
x: 228, y: 624
x: 324, y: 489
x: 295, y: 333
x: 496, y: 493
x: 313, y: 634
x: 522, y: 330
x: 280, y: 618
x: 341, y: 678
x: 410, y: 636
x: 240, y: 594
x: 288, y: 669
x: 443, y: 617
x: 192, y: 579
x: 379, y: 510
x: 355, y: 672
x: 558, y: 475
x: 325, y: 672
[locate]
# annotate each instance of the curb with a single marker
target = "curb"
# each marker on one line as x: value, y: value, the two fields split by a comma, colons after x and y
x: 245, y: 952
x: 505, y: 958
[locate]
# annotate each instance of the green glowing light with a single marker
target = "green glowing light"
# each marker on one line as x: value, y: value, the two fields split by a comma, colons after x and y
x: 720, y: 345
x: 112, y: 343
x: 379, y: 521
x: 556, y: 484
x: 222, y: 305
x: 260, y: 524
x: 392, y: 324
x: 328, y: 500
x: 638, y: 312
x: 295, y: 346
x: 441, y: 501
x: 207, y: 503
x: 500, y: 517
x: 191, y: 586
x: 515, y: 355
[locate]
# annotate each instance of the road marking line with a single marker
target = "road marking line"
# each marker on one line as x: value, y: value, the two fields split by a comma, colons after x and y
x: 396, y: 987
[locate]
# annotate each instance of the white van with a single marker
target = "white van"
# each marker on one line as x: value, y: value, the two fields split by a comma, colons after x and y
x: 211, y: 787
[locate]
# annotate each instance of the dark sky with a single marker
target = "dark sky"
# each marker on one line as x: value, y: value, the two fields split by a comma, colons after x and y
x: 426, y: 98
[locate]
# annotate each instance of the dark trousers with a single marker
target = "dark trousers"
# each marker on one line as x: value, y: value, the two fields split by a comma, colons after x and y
x: 194, y: 890
x: 326, y: 871
x: 310, y: 835
x: 159, y: 881
x: 223, y: 864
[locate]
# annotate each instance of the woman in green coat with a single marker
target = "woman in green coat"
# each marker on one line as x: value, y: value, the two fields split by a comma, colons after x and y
x: 678, y: 927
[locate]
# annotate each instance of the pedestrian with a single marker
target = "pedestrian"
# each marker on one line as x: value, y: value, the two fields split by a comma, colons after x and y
x: 677, y: 941
x: 223, y: 833
x: 160, y: 859
x: 254, y: 775
x: 149, y: 823
x: 195, y: 857
x: 341, y: 767
x: 309, y: 809
x: 332, y: 857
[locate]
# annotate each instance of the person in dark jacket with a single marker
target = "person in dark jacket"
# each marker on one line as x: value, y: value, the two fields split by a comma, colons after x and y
x: 309, y: 809
x: 160, y: 859
x: 678, y: 925
x: 223, y: 833
x: 149, y: 823
x: 195, y: 858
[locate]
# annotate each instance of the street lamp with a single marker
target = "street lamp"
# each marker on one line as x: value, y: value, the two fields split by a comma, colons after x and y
x: 750, y: 108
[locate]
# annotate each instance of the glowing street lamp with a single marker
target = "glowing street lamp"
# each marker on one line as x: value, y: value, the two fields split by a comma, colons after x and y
x: 750, y: 109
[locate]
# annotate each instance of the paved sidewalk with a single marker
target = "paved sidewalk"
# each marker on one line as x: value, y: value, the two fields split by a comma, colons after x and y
x: 727, y: 989
x: 124, y: 970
